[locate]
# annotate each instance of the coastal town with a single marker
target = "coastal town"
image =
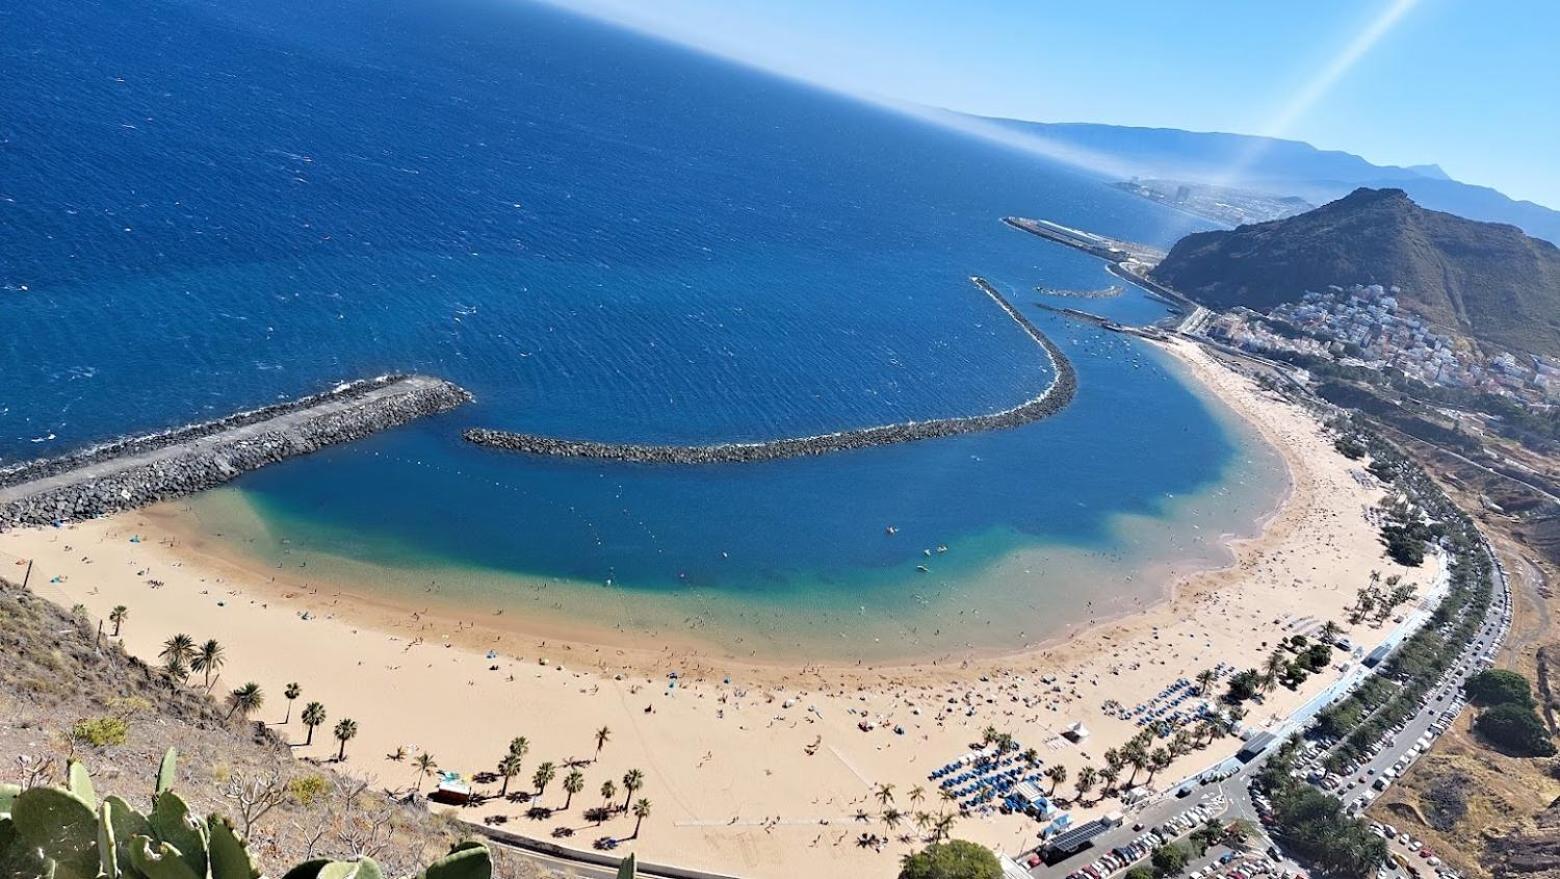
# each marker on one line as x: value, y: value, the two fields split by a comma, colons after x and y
x: 1363, y: 327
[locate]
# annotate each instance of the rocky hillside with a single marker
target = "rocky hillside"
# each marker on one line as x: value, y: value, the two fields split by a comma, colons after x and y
x: 67, y: 692
x: 1483, y: 280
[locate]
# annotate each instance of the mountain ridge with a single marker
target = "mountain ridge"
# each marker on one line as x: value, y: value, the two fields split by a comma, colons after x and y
x: 1488, y: 281
x: 1283, y: 167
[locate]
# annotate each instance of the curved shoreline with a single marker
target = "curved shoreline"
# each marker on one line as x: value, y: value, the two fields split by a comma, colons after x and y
x: 1053, y: 399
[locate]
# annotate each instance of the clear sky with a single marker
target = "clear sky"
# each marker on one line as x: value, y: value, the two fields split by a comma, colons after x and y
x: 1472, y: 85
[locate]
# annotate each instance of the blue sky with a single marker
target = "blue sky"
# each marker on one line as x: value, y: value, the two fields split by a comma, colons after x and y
x: 1474, y: 87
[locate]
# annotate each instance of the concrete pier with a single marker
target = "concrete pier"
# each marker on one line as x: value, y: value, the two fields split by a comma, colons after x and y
x: 141, y: 470
x: 1053, y: 399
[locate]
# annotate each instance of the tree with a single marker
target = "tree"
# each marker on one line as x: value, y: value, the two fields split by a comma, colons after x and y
x: 177, y: 653
x: 573, y: 783
x: 399, y: 755
x: 1157, y: 760
x: 884, y: 794
x: 1139, y: 872
x: 291, y: 691
x: 346, y: 728
x: 608, y: 792
x: 1498, y: 686
x: 245, y: 700
x: 508, y: 768
x: 1205, y: 679
x: 117, y: 616
x: 1085, y: 782
x: 1516, y: 730
x: 209, y: 658
x: 602, y: 736
x: 957, y: 859
x: 641, y: 812
x: 1169, y: 860
x: 313, y: 716
x: 1244, y: 685
x: 543, y: 776
x: 425, y: 766
x: 917, y: 794
x: 1109, y: 775
x: 633, y: 780
x: 1331, y: 630
x: 1057, y: 774
x: 520, y: 746
x: 891, y: 818
x: 942, y: 828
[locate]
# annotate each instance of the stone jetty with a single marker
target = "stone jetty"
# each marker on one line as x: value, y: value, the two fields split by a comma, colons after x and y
x: 1053, y: 399
x: 140, y: 470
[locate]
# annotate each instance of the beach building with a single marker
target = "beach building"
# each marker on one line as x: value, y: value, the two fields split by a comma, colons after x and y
x: 1255, y: 746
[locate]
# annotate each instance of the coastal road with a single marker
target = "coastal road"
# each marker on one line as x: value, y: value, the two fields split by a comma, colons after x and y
x: 1235, y: 790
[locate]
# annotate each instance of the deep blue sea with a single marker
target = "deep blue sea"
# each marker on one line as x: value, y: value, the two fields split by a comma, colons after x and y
x: 210, y: 205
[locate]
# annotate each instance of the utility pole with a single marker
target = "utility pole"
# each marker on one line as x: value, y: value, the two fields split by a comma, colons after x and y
x: 27, y: 576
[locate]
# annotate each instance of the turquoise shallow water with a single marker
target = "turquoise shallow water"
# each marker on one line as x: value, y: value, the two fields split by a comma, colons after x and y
x: 207, y: 207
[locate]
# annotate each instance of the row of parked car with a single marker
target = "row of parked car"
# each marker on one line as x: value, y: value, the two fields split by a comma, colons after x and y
x: 1124, y: 856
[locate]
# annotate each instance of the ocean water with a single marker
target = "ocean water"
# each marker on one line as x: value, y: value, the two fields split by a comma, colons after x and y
x: 207, y: 205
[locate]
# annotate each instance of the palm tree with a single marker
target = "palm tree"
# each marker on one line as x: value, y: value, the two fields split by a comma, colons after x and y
x: 602, y: 735
x: 608, y: 792
x: 1137, y: 757
x: 1159, y: 759
x: 519, y: 746
x: 509, y: 767
x: 573, y: 783
x: 117, y: 616
x: 1085, y: 782
x: 398, y: 755
x: 292, y: 691
x: 923, y: 822
x: 943, y: 828
x: 177, y: 653
x: 633, y: 780
x: 1109, y: 775
x: 1057, y: 773
x: 425, y: 766
x: 641, y: 812
x: 885, y: 794
x: 1205, y: 679
x: 209, y: 658
x: 1276, y: 663
x: 346, y: 728
x: 245, y: 700
x: 1331, y: 630
x: 545, y: 773
x: 891, y: 818
x: 917, y: 794
x: 313, y: 715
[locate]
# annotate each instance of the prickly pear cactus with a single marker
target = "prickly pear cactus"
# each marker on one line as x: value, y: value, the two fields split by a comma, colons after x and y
x: 62, y: 827
x: 363, y: 868
x: 79, y: 783
x: 159, y: 860
x: 173, y: 824
x: 467, y: 860
x: 229, y: 857
x: 167, y: 771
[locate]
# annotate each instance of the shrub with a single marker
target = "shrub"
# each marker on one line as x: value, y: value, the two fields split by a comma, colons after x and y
x: 956, y: 859
x: 1498, y: 687
x: 1139, y: 872
x: 1516, y: 730
x: 100, y: 732
x: 307, y: 789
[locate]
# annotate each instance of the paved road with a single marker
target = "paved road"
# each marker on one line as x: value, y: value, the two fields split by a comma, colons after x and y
x: 1236, y: 788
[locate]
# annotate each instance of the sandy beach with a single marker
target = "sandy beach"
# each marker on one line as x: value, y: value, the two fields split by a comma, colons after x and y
x: 753, y: 769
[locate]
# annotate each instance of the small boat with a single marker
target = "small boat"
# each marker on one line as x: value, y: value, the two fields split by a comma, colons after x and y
x: 923, y: 569
x: 942, y: 547
x: 890, y: 530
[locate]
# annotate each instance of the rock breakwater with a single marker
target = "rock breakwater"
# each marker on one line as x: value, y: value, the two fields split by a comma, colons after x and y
x: 1053, y: 399
x: 136, y: 471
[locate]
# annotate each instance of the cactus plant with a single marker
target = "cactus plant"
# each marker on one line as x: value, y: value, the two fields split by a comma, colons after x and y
x: 65, y: 833
x: 167, y: 770
x: 79, y: 783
